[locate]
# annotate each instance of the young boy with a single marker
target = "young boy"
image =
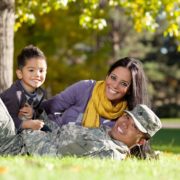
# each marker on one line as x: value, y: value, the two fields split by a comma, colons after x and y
x: 23, y: 98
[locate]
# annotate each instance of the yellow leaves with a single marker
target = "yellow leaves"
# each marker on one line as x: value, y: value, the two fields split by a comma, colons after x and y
x: 169, y: 7
x: 178, y: 48
x: 3, y: 170
x: 145, y: 22
x: 138, y: 25
x: 114, y: 3
x: 143, y: 13
x: 99, y: 24
x: 45, y: 9
x: 172, y: 30
x: 26, y: 10
x: 87, y: 21
x: 177, y: 14
x: 17, y: 26
x: 23, y: 18
x: 33, y: 3
x: 140, y: 1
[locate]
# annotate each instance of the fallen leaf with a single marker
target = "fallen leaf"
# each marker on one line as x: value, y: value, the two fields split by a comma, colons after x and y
x: 3, y: 169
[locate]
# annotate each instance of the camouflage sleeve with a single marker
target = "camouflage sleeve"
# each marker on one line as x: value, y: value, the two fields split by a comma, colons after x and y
x: 10, y: 143
x: 93, y: 142
x: 40, y: 143
x: 7, y: 127
x: 108, y: 153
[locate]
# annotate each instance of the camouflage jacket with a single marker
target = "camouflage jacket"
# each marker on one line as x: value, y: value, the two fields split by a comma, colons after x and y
x: 73, y: 140
x: 69, y: 140
x: 10, y: 143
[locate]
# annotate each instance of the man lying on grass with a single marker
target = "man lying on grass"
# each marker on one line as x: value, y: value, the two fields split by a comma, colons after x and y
x: 134, y: 127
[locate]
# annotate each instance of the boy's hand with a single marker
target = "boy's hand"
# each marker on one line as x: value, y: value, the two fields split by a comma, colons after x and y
x: 35, y: 124
x: 26, y: 112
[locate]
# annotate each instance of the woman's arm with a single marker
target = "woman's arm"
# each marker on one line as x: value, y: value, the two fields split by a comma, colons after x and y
x: 67, y: 98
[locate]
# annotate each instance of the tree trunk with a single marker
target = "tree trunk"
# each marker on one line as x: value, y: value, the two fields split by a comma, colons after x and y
x: 7, y: 15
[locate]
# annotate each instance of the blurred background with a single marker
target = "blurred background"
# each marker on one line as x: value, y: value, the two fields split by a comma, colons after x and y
x: 75, y: 52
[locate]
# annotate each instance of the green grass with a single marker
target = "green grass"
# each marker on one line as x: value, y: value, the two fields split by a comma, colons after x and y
x: 167, y: 140
x: 37, y: 168
x: 47, y: 168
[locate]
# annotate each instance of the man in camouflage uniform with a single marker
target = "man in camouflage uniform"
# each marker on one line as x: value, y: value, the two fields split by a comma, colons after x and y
x: 77, y: 140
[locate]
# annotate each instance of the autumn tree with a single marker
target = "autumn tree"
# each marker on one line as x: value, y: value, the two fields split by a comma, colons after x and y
x: 6, y: 42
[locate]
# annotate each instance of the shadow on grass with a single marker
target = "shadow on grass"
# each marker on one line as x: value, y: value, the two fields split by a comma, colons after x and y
x: 167, y: 140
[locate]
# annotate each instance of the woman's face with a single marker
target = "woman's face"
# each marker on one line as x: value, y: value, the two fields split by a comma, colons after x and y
x: 117, y: 84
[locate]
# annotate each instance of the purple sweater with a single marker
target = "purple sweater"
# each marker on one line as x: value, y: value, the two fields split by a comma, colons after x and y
x: 71, y: 103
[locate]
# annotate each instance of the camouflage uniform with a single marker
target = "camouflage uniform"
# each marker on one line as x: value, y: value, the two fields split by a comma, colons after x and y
x: 69, y: 140
x: 73, y: 140
x: 10, y: 143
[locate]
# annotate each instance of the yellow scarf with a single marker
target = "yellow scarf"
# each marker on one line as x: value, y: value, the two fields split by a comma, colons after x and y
x: 99, y: 105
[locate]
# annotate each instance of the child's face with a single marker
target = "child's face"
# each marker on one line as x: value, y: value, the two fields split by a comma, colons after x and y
x: 33, y: 74
x: 126, y: 131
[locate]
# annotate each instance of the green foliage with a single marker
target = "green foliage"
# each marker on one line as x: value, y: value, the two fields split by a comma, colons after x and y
x: 153, y: 71
x: 168, y: 110
x: 144, y: 14
x: 26, y: 10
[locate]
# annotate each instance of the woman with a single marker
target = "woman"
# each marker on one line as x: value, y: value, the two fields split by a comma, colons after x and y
x: 93, y: 103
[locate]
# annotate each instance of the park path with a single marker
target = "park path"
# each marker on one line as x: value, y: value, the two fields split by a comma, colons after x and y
x: 171, y: 125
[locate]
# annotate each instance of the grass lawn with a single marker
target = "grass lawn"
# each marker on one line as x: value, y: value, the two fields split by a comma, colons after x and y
x: 167, y: 140
x: 37, y: 168
x: 71, y: 168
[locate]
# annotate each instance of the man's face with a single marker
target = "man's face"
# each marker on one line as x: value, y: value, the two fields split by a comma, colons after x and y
x: 126, y: 131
